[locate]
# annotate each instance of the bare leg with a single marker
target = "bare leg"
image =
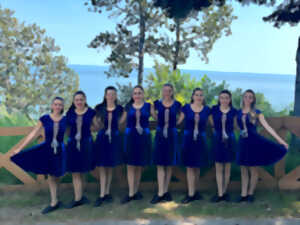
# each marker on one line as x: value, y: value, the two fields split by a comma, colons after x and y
x: 227, y: 177
x: 131, y: 178
x: 244, y: 180
x: 103, y: 181
x: 77, y: 183
x: 167, y: 178
x: 53, y: 183
x: 160, y: 180
x: 138, y: 175
x: 253, y: 180
x: 190, y: 174
x: 219, y: 178
x: 109, y: 171
x: 197, y: 178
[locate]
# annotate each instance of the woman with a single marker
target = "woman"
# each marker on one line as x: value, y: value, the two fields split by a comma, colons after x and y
x: 166, y: 141
x: 194, y: 153
x: 137, y: 141
x: 48, y: 157
x: 254, y: 149
x: 108, y: 145
x: 222, y: 121
x: 80, y: 144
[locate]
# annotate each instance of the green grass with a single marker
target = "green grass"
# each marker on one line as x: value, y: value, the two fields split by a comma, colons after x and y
x: 268, y: 204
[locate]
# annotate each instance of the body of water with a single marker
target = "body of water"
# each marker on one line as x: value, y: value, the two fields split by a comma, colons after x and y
x: 278, y: 89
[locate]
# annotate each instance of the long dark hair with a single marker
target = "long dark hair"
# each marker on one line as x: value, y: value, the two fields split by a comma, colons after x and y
x: 170, y: 86
x: 252, y: 113
x: 73, y: 107
x: 194, y: 91
x: 101, y: 107
x: 228, y: 93
x: 131, y: 101
x: 60, y: 99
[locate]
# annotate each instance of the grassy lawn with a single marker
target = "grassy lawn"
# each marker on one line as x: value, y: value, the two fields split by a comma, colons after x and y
x: 25, y: 207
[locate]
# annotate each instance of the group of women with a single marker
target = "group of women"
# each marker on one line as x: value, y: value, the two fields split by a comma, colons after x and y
x: 135, y: 149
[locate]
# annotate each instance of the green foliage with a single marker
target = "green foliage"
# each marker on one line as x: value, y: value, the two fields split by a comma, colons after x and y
x: 128, y: 47
x: 197, y: 31
x: 31, y: 71
x: 184, y: 85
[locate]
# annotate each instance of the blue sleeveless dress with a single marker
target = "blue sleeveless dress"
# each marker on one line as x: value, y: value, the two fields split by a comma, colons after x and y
x: 41, y: 158
x: 223, y: 151
x: 194, y: 152
x: 256, y: 150
x: 166, y: 149
x: 108, y: 152
x: 80, y: 160
x: 137, y: 146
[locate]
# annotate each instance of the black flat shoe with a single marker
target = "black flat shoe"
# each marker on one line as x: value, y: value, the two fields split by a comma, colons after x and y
x: 108, y: 198
x: 167, y: 197
x: 216, y: 199
x: 187, y: 199
x: 157, y: 199
x: 226, y: 197
x: 50, y: 208
x: 197, y: 196
x: 251, y: 198
x: 74, y: 204
x: 127, y: 199
x: 98, y: 202
x: 242, y: 199
x: 138, y: 196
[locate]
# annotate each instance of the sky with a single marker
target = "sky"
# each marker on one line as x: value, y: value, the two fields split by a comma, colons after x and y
x: 254, y: 46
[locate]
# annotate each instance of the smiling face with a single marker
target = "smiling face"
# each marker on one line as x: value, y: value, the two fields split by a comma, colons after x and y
x: 198, y: 97
x: 224, y: 99
x: 138, y: 95
x: 79, y: 101
x: 111, y: 96
x: 57, y: 106
x: 248, y: 99
x: 167, y: 92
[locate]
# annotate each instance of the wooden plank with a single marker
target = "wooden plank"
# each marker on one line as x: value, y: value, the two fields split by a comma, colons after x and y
x: 15, y: 131
x: 291, y: 181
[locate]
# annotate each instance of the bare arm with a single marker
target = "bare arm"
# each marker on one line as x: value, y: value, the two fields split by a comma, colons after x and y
x: 96, y: 124
x: 153, y: 112
x: 180, y: 118
x: 211, y: 121
x: 30, y: 137
x: 271, y: 131
x: 122, y: 120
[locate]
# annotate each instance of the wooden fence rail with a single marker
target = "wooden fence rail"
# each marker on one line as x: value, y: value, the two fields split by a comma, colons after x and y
x: 281, y: 180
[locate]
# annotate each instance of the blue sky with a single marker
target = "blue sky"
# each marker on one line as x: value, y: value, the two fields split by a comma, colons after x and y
x: 254, y: 46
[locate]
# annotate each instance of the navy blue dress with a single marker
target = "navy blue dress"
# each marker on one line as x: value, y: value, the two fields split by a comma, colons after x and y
x: 166, y: 147
x: 255, y: 150
x: 223, y: 149
x: 41, y: 158
x: 194, y: 151
x: 108, y: 148
x: 80, y: 160
x: 137, y: 146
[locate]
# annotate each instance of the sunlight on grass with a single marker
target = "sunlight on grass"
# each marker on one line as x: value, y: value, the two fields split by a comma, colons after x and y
x: 168, y: 206
x: 151, y: 210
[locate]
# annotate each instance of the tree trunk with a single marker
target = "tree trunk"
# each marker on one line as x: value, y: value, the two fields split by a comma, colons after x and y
x: 141, y: 45
x: 177, y: 44
x: 295, y: 140
x: 297, y: 83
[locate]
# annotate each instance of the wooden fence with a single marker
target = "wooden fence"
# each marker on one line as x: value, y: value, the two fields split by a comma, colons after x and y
x: 281, y: 180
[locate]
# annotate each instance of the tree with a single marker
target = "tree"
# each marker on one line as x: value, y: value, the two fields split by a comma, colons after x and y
x: 193, y: 32
x: 184, y: 84
x: 127, y: 47
x: 31, y: 71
